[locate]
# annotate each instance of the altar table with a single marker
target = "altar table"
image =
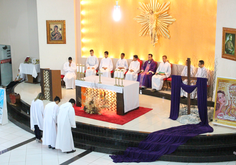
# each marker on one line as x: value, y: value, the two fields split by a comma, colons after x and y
x: 127, y: 97
x: 30, y: 69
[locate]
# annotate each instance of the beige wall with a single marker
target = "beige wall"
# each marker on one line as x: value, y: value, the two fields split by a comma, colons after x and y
x: 19, y: 29
x: 225, y: 18
x: 53, y: 56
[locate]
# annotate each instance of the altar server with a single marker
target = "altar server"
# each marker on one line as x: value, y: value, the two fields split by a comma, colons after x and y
x: 185, y: 73
x: 49, y: 124
x: 134, y: 69
x: 106, y: 65
x: 202, y: 73
x: 147, y: 71
x: 122, y: 63
x: 91, y: 64
x: 163, y: 71
x: 70, y: 76
x: 36, y: 116
x: 66, y: 121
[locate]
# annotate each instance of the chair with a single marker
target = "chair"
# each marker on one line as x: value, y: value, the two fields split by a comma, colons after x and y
x: 167, y: 80
x: 62, y: 81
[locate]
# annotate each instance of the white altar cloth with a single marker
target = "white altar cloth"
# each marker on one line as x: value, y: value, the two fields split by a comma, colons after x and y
x: 130, y: 89
x: 31, y: 69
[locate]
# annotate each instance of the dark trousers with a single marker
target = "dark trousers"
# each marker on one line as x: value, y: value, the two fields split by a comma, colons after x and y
x: 37, y: 132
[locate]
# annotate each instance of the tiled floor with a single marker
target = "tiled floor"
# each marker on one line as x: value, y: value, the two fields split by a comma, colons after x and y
x: 154, y: 120
x: 34, y: 153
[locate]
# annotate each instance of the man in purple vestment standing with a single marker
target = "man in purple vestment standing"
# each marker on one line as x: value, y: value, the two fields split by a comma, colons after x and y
x: 147, y: 71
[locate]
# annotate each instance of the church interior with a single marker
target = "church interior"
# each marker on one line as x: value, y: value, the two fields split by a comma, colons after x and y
x: 148, y: 82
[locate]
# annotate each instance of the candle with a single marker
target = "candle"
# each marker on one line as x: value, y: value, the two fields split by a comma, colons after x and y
x: 122, y: 74
x: 83, y: 68
x: 80, y: 68
x: 118, y: 74
x: 115, y: 74
x: 77, y: 68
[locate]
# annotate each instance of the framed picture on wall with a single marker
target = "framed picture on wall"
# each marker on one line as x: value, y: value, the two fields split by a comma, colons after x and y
x: 228, y: 43
x: 56, y: 32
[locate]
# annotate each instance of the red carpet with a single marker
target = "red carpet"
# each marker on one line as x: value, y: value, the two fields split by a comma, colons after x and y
x: 112, y: 117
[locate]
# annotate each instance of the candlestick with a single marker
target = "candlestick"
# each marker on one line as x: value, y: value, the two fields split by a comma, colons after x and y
x: 77, y: 67
x: 122, y: 74
x: 122, y: 85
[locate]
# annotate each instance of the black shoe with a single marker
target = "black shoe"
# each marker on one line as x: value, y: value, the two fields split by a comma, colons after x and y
x: 70, y: 151
x: 183, y: 97
x: 49, y: 146
x: 53, y: 148
x: 153, y: 90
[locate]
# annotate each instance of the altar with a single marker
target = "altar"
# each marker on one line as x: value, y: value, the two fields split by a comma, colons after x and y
x: 121, y: 99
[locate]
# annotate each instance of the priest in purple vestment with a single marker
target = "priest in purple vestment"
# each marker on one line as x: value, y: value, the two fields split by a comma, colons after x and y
x: 147, y: 71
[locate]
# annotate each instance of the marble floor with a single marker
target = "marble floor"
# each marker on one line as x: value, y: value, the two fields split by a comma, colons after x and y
x: 14, y: 152
x: 154, y: 120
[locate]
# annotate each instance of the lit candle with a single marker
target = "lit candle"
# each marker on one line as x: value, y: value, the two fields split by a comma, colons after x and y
x: 83, y: 69
x: 122, y: 74
x: 115, y: 74
x: 80, y: 68
x: 118, y: 74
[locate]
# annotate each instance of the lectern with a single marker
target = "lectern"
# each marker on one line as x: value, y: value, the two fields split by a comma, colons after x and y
x: 51, y: 83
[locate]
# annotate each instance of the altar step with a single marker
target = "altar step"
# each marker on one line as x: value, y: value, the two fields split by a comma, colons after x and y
x: 203, y: 148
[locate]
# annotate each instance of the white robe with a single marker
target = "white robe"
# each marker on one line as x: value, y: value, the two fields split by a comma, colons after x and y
x: 185, y: 73
x: 157, y: 80
x: 106, y: 62
x: 70, y: 75
x: 202, y: 73
x: 65, y: 120
x: 49, y: 124
x: 122, y: 63
x: 91, y: 62
x: 135, y: 66
x: 36, y: 114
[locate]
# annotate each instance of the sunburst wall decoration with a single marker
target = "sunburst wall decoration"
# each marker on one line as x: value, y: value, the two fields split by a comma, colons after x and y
x: 155, y: 20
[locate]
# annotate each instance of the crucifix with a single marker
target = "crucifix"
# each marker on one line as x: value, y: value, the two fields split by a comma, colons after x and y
x: 99, y: 74
x: 189, y: 78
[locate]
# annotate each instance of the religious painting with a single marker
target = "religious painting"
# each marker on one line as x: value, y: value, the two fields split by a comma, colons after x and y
x: 56, y: 32
x: 225, y: 102
x: 228, y: 43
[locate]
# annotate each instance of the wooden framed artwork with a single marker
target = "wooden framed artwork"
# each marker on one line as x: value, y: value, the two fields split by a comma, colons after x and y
x: 56, y: 32
x: 228, y: 43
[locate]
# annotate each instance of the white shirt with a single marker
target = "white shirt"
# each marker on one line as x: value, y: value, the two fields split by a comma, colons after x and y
x: 164, y: 68
x: 202, y: 72
x: 92, y: 61
x: 106, y: 62
x: 135, y: 66
x: 122, y: 63
x: 185, y: 71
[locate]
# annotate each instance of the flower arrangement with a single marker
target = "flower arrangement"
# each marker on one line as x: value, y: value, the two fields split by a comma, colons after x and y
x: 94, y: 100
x: 27, y: 60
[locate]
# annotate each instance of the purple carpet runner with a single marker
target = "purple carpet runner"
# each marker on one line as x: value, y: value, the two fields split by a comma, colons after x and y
x: 167, y: 141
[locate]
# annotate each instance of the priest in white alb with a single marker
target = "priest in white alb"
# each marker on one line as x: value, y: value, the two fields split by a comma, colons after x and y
x: 134, y: 69
x: 106, y: 66
x: 163, y: 71
x: 122, y: 64
x: 202, y: 73
x: 50, y: 123
x: 91, y: 64
x: 36, y: 116
x: 66, y: 121
x: 185, y: 73
x: 70, y: 76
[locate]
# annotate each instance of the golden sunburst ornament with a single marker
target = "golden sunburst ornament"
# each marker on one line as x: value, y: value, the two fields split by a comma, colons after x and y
x: 155, y: 20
